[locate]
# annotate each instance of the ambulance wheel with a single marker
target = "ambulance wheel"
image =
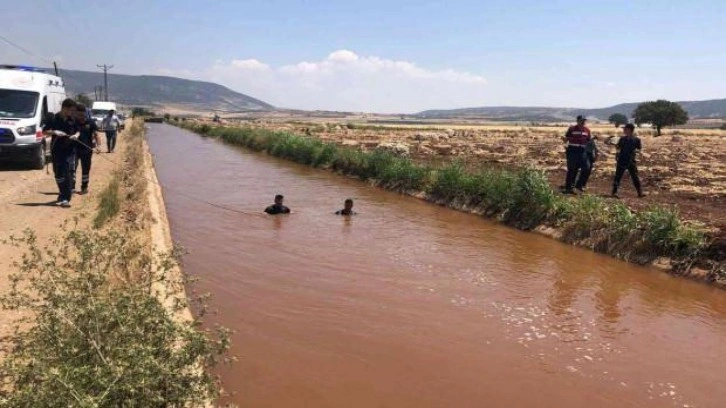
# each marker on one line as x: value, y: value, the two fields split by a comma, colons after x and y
x: 39, y: 157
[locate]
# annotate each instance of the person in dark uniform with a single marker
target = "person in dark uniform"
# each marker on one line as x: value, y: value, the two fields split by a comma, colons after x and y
x: 63, y: 130
x: 87, y: 141
x: 591, y: 154
x: 347, y: 208
x: 277, y: 208
x: 577, y: 138
x: 627, y: 148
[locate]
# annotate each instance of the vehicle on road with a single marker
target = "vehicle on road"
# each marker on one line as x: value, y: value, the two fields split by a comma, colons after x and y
x: 28, y: 96
x: 100, y: 110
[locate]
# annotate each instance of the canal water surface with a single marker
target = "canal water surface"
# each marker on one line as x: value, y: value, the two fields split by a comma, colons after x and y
x: 409, y: 304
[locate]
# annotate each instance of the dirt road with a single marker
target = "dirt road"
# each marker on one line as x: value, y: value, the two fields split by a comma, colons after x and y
x: 27, y: 200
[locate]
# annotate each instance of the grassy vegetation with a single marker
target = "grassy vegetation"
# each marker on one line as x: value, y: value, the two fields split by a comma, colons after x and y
x: 109, y: 203
x: 128, y: 180
x: 95, y: 332
x: 521, y: 198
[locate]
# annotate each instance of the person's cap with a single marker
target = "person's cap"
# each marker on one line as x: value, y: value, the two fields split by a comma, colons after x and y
x: 629, y: 126
x: 581, y: 117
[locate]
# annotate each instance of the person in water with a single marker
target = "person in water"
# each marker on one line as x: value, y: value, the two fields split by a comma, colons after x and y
x: 347, y: 208
x: 277, y: 208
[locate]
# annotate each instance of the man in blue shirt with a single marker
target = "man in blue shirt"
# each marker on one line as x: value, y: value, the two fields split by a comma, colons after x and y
x: 110, y: 126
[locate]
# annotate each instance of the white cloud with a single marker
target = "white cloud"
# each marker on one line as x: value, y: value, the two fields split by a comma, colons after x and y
x: 343, y: 56
x: 345, y: 80
x: 250, y: 64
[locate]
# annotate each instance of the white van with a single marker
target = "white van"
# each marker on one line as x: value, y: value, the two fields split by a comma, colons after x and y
x: 27, y: 96
x: 100, y: 110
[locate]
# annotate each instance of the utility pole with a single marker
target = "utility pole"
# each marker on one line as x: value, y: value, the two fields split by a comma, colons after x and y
x: 105, y: 69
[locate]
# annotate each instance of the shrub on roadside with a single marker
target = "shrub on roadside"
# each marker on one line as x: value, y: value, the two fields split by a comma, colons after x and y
x: 95, y: 332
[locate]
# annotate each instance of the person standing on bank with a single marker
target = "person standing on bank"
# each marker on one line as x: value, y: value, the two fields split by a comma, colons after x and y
x: 592, y: 153
x: 110, y: 126
x: 87, y: 141
x: 627, y: 148
x: 63, y: 130
x: 577, y: 138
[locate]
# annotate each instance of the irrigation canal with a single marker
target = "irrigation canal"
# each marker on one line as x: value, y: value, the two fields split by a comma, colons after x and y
x: 413, y: 305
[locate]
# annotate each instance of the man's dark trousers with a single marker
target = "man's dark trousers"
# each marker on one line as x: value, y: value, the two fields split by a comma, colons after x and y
x: 632, y: 169
x: 576, y: 162
x: 63, y: 168
x: 110, y: 140
x: 83, y: 156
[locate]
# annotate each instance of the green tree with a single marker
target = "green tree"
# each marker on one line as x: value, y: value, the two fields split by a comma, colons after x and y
x: 139, y: 111
x: 660, y: 113
x: 618, y: 119
x: 84, y: 99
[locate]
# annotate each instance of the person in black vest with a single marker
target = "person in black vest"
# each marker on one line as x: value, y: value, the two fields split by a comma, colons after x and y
x: 87, y: 141
x: 347, y: 208
x: 577, y: 138
x: 627, y: 148
x: 277, y: 208
x: 64, y: 131
x: 592, y: 153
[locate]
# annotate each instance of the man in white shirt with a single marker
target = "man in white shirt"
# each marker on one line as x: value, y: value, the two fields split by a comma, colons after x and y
x: 110, y: 126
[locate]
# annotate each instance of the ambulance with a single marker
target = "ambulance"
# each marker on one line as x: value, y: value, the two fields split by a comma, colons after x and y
x: 28, y: 96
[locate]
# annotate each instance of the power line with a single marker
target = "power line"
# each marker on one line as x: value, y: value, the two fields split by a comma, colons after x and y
x: 105, y: 69
x: 25, y: 50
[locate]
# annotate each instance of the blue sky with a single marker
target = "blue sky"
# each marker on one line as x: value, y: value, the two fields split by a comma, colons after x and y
x: 394, y: 56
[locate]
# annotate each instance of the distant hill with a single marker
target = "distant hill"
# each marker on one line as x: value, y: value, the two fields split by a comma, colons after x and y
x: 152, y: 90
x: 715, y: 108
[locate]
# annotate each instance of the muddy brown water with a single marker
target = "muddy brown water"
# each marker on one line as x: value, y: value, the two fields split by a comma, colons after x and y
x: 413, y: 305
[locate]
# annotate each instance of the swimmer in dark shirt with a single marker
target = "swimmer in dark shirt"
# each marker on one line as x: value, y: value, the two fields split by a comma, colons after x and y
x: 277, y: 208
x: 348, y: 208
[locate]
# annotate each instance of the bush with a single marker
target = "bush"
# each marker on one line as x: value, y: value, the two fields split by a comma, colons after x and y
x: 140, y: 112
x: 97, y: 332
x: 533, y: 201
x: 665, y: 234
x: 450, y: 183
